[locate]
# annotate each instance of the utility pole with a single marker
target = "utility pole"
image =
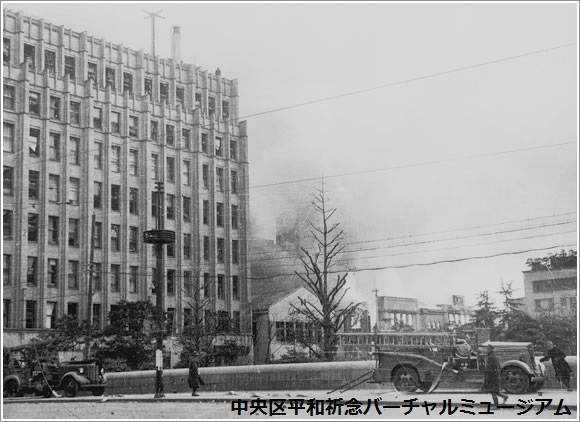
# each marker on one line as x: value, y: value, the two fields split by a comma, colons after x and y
x: 376, y: 319
x: 153, y: 16
x: 89, y: 339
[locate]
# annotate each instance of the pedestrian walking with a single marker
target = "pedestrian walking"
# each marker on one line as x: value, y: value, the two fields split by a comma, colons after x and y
x: 492, y: 380
x: 194, y: 380
x: 561, y: 367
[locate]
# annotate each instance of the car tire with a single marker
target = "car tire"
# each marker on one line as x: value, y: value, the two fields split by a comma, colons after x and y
x: 11, y: 389
x: 406, y: 378
x: 71, y: 387
x: 515, y: 380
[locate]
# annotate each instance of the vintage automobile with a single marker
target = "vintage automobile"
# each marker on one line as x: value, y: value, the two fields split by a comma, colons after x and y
x: 28, y: 372
x: 426, y: 361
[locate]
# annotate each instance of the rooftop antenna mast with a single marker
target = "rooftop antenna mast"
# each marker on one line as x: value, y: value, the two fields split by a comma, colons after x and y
x: 153, y: 16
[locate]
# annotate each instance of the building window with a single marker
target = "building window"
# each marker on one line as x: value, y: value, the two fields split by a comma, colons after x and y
x: 96, y: 314
x: 187, y: 285
x: 73, y: 191
x: 75, y: 113
x: 34, y: 142
x: 92, y: 72
x: 7, y: 269
x: 198, y: 100
x: 154, y: 131
x: 33, y: 227
x: 205, y: 143
x: 110, y: 78
x: 8, y: 137
x: 205, y: 175
x: 218, y: 147
x: 31, y: 317
x: 51, y: 314
x: 187, y: 173
x: 149, y: 87
x: 73, y: 274
x: 133, y: 271
x: 211, y: 105
x: 115, y: 241
x: 115, y: 122
x: 186, y: 139
x: 98, y: 236
x: 6, y: 54
x: 55, y: 108
x: 171, y: 282
x: 8, y: 181
x: 115, y: 278
x: 74, y: 153
x: 219, y: 172
x: 8, y: 96
x: 171, y: 250
x: 235, y: 287
x: 73, y: 232
x: 52, y: 272
x: 34, y: 103
x: 219, y: 212
x: 180, y: 95
x: 98, y: 118
x: 50, y: 62
x: 115, y: 198
x: 115, y: 158
x: 53, y: 188
x: 235, y: 251
x: 53, y: 229
x: 134, y: 201
x: 186, y: 209
x: 220, y: 249
x: 234, y: 217
x: 73, y: 309
x: 133, y: 162
x: 206, y: 285
x: 163, y: 91
x: 133, y: 126
x: 171, y: 169
x: 97, y: 271
x: 97, y: 194
x: 170, y: 206
x: 205, y: 211
x: 54, y: 147
x: 32, y: 270
x: 221, y: 288
x: 30, y: 56
x: 234, y: 181
x: 69, y: 67
x: 7, y: 224
x: 155, y: 166
x: 206, y: 248
x: 98, y: 156
x: 225, y: 109
x: 187, y: 245
x: 169, y: 135
x: 133, y: 239
x: 128, y: 83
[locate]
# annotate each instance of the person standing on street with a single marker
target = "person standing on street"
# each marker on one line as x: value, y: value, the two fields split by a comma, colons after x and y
x: 194, y: 380
x: 492, y: 383
x: 561, y: 367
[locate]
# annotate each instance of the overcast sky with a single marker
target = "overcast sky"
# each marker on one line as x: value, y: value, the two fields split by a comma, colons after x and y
x: 492, y: 147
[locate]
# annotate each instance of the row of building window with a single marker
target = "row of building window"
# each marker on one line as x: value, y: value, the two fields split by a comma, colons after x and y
x: 567, y: 305
x: 111, y: 78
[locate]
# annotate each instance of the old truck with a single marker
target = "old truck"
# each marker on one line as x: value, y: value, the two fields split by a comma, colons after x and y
x: 26, y: 371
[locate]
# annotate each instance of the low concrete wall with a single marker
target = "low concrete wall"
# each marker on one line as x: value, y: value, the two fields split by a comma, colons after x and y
x: 297, y: 376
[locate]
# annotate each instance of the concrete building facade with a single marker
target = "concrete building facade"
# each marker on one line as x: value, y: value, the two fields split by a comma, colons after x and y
x: 89, y: 128
x: 551, y: 292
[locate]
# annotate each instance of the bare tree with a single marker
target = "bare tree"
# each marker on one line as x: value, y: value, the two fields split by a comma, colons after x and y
x: 328, y: 312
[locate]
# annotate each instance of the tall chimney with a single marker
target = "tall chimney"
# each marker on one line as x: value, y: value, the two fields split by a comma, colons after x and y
x: 176, y: 43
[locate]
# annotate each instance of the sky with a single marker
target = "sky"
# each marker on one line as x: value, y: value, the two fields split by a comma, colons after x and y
x: 458, y: 137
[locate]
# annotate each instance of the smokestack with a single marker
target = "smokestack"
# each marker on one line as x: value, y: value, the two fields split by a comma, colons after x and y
x: 176, y: 43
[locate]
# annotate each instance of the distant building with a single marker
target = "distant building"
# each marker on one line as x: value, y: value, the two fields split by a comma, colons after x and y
x: 551, y: 292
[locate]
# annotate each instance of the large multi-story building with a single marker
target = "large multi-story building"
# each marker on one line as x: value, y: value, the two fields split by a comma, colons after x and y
x: 551, y: 292
x: 89, y: 128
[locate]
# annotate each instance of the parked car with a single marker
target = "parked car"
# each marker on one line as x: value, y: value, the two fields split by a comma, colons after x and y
x: 25, y: 372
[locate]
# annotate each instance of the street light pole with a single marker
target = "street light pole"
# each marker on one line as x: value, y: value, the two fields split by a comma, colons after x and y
x: 159, y: 293
x: 88, y: 339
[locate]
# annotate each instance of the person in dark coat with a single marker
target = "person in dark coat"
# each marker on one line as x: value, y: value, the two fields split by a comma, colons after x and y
x: 492, y: 373
x: 561, y: 367
x: 194, y: 380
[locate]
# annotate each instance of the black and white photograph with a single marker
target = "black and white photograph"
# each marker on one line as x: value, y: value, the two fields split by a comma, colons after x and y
x: 290, y: 210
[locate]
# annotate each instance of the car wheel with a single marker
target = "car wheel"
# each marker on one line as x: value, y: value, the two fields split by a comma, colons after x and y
x: 406, y: 379
x: 71, y: 387
x: 515, y: 380
x: 11, y: 389
x: 98, y: 391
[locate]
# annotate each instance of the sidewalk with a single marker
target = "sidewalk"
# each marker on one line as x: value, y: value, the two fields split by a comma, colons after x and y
x: 386, y: 397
